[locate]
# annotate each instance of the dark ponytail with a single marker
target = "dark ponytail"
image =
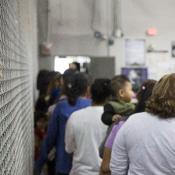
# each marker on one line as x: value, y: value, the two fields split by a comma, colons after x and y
x: 75, y: 86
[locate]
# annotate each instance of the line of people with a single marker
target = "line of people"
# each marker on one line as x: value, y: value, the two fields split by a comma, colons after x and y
x: 108, y: 134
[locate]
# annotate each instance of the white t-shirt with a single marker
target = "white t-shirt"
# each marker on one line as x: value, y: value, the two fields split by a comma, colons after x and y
x: 146, y: 145
x: 84, y: 134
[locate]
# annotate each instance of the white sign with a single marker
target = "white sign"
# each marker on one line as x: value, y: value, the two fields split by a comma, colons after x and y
x: 135, y: 51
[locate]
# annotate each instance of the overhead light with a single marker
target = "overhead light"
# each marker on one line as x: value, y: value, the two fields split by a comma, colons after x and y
x: 151, y: 31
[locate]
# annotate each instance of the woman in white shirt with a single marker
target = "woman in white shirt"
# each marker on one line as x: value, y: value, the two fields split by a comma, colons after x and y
x: 85, y: 132
x: 145, y: 143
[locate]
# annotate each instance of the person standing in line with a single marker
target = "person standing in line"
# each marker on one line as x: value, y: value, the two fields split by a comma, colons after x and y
x: 74, y: 88
x: 119, y: 107
x: 85, y: 131
x: 75, y: 66
x: 144, y: 144
x: 143, y: 95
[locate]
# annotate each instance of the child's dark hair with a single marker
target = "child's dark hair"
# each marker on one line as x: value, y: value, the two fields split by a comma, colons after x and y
x: 43, y: 82
x: 39, y: 115
x: 100, y: 90
x: 143, y: 94
x: 75, y: 86
x: 117, y: 83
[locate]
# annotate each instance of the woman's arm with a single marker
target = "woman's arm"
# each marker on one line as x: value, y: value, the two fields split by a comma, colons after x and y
x: 119, y: 157
x: 105, y: 169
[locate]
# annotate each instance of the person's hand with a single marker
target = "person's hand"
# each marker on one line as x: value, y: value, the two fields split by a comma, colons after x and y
x: 116, y: 118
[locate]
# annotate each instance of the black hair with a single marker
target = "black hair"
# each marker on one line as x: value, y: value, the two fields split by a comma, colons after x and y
x: 100, y: 90
x: 39, y: 115
x: 43, y: 81
x: 75, y: 86
x: 68, y: 73
x: 54, y: 75
x: 77, y: 65
x: 117, y: 83
x: 144, y: 94
x: 44, y: 78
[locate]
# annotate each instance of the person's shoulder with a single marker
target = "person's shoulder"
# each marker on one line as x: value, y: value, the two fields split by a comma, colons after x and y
x: 62, y: 101
x: 79, y: 113
x: 118, y: 103
x: 84, y: 100
x: 61, y: 104
x: 132, y: 122
x: 110, y: 104
x: 77, y: 117
x: 137, y: 117
x: 58, y: 105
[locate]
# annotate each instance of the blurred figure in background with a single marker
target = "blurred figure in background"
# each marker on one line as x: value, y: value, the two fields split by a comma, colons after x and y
x: 74, y: 89
x: 144, y: 94
x: 43, y: 81
x: 48, y: 84
x: 54, y: 88
x: 75, y: 66
x: 40, y: 131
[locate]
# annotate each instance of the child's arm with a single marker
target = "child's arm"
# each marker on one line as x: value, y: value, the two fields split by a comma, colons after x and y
x: 107, y: 116
x: 116, y: 118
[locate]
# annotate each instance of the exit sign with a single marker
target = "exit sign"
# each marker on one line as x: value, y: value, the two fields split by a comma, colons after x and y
x: 151, y: 32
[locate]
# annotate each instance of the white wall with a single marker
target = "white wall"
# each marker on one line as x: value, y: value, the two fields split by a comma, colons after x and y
x: 138, y: 16
x: 70, y: 27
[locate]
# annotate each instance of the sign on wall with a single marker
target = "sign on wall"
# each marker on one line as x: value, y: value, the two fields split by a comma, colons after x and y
x: 136, y: 75
x: 134, y: 52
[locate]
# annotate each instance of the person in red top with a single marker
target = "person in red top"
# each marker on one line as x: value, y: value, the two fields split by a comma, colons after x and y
x: 40, y: 131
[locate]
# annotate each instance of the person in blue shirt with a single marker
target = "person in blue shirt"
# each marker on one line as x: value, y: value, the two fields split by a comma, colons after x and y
x: 74, y: 89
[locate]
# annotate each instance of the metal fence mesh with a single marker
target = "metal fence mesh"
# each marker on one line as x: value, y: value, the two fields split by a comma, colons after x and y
x: 16, y: 116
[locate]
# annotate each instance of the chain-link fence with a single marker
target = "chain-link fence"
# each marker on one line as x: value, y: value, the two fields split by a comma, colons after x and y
x: 16, y: 98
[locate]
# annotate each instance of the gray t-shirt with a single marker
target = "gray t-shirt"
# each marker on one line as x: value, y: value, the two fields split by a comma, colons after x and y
x: 145, y: 145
